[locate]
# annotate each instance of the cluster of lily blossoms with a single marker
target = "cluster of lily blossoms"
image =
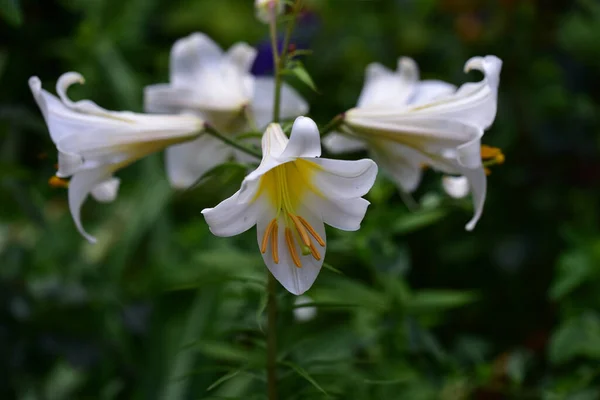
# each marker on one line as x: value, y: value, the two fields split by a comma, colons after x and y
x: 403, y: 122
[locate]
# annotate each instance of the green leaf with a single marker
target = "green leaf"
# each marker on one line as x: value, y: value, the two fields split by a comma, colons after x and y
x: 302, y: 372
x: 10, y: 10
x: 222, y: 379
x: 574, y: 269
x: 297, y: 69
x: 417, y: 220
x: 577, y: 337
x: 438, y: 300
x: 331, y: 268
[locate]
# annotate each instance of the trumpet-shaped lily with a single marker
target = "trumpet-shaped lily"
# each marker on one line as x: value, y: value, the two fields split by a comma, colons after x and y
x: 93, y: 142
x: 407, y: 123
x: 289, y: 197
x: 219, y: 87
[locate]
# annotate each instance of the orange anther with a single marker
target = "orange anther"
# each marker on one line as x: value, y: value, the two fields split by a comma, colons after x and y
x: 292, y: 248
x: 312, y: 231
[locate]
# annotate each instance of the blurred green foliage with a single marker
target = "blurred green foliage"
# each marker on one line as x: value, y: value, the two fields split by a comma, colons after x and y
x: 421, y: 309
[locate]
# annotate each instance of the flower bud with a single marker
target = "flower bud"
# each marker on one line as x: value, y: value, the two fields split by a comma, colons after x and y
x: 268, y: 10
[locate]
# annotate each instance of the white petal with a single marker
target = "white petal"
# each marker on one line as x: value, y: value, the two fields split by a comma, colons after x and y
x: 106, y: 192
x: 337, y: 143
x: 344, y: 179
x: 187, y: 162
x: 456, y: 186
x: 242, y: 55
x: 80, y: 186
x: 103, y: 136
x: 473, y: 103
x: 165, y: 98
x: 430, y: 90
x: 190, y: 54
x: 292, y: 104
x: 295, y: 280
x: 68, y: 164
x: 384, y: 88
x: 344, y: 214
x: 273, y: 143
x: 478, y: 185
x: 418, y: 131
x: 401, y: 163
x: 305, y: 140
x: 232, y: 217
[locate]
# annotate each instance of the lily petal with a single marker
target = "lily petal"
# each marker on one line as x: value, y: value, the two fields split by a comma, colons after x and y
x: 305, y: 140
x: 344, y: 214
x: 473, y: 103
x: 292, y: 104
x: 385, y: 88
x: 431, y: 90
x: 478, y: 185
x: 242, y: 55
x: 344, y: 179
x: 187, y: 162
x: 401, y: 163
x: 338, y: 143
x: 296, y: 280
x: 232, y: 217
x: 106, y: 192
x: 80, y: 187
x: 189, y: 55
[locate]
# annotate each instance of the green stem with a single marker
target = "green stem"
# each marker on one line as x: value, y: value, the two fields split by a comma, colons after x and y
x: 271, y: 338
x: 213, y: 132
x: 276, y: 68
x: 332, y: 125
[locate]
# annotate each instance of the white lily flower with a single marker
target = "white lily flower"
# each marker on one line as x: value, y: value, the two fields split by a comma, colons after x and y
x: 267, y: 10
x: 407, y: 124
x: 219, y: 87
x: 93, y: 142
x: 289, y: 197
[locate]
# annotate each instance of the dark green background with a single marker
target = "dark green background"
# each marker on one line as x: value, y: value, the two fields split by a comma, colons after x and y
x: 423, y: 310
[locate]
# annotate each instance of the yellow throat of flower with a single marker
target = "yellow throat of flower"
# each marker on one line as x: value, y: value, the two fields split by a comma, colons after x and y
x: 285, y: 187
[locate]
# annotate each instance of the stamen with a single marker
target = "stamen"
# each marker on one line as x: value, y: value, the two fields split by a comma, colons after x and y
x: 57, y: 182
x: 312, y: 231
x: 274, y: 248
x: 489, y: 151
x: 487, y: 171
x: 290, y: 243
x: 265, y: 239
x: 301, y: 230
x: 315, y: 253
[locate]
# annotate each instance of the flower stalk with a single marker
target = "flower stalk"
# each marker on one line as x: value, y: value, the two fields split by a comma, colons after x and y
x: 213, y: 132
x: 278, y: 63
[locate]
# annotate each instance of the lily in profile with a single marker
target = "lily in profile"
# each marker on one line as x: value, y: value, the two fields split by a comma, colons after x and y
x: 407, y: 124
x: 218, y: 87
x: 93, y: 142
x: 289, y: 197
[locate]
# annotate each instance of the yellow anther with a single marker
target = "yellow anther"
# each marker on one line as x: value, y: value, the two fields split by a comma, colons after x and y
x: 487, y: 171
x: 315, y: 253
x: 292, y: 248
x: 274, y: 248
x: 266, y: 235
x: 57, y: 182
x: 312, y: 231
x: 499, y: 159
x: 300, y: 229
x: 489, y: 152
